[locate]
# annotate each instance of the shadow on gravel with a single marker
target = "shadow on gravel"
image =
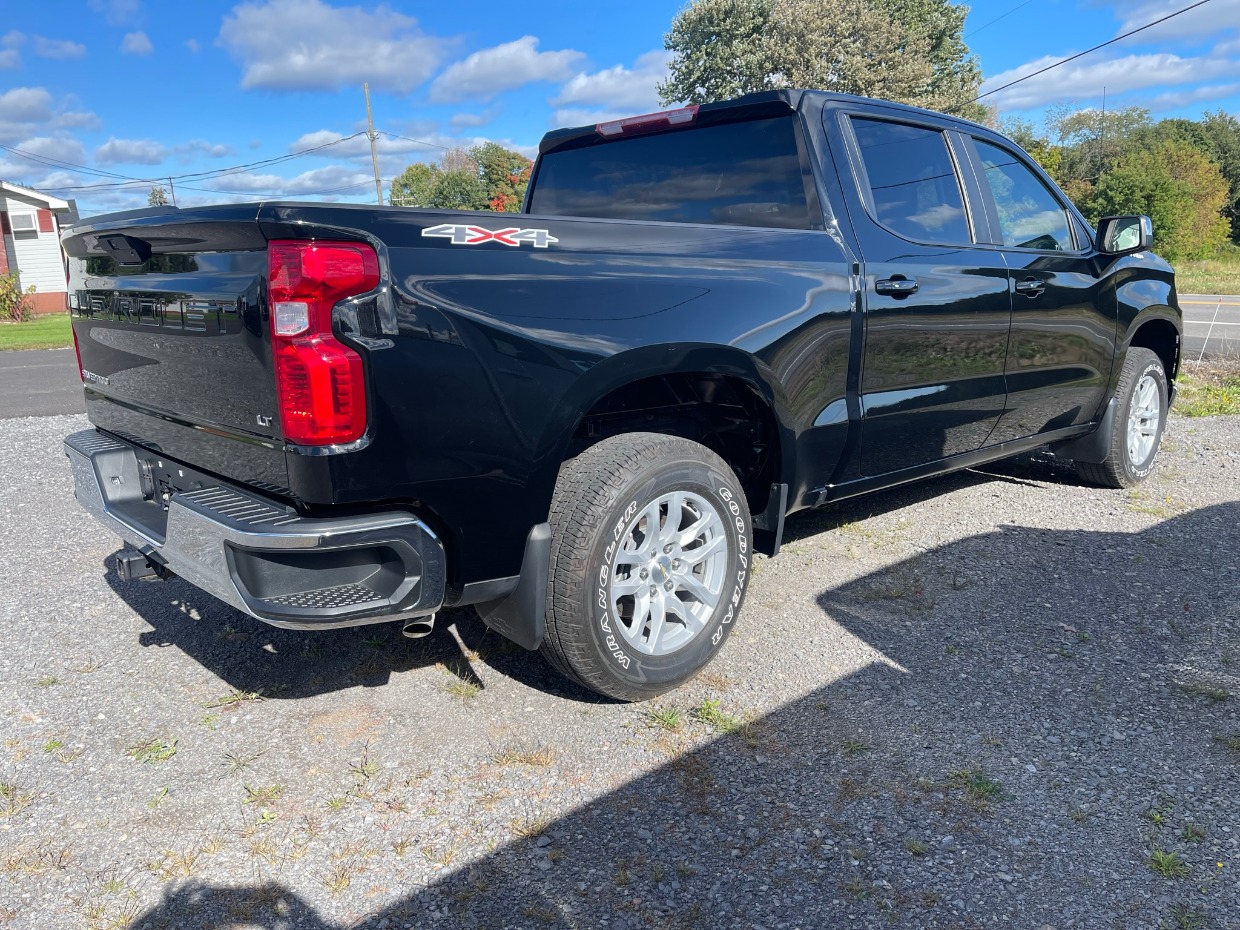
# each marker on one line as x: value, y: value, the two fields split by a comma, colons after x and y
x: 286, y: 664
x: 1032, y: 698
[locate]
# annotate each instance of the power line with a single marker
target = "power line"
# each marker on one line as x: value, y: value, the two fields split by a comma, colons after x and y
x: 1087, y: 51
x: 191, y: 176
x: 997, y: 18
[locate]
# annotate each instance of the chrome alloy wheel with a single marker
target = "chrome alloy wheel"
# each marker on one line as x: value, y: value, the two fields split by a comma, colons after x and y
x: 1144, y: 413
x: 667, y: 576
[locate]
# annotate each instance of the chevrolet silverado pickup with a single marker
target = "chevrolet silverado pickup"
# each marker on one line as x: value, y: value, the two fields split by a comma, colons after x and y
x: 587, y: 419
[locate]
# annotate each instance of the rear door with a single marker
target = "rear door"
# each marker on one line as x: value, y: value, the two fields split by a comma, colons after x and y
x: 937, y: 310
x: 1063, y: 312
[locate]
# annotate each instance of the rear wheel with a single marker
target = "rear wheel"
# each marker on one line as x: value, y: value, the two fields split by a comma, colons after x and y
x: 1142, y: 400
x: 650, y: 559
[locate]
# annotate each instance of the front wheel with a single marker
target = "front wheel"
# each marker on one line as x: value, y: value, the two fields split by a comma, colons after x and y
x: 651, y: 550
x: 1142, y: 399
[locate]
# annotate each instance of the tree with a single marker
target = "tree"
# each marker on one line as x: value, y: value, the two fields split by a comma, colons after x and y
x: 158, y: 197
x: 1178, y: 186
x: 906, y: 50
x: 487, y: 176
x: 505, y: 174
x: 1222, y: 138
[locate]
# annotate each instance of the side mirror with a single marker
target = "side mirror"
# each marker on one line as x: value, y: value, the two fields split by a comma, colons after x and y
x: 1119, y: 235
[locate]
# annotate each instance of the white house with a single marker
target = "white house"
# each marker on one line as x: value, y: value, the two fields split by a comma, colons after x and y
x: 31, y: 226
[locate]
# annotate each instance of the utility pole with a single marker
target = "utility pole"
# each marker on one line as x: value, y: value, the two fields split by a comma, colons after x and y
x: 1102, y: 136
x: 374, y: 154
x: 173, y: 189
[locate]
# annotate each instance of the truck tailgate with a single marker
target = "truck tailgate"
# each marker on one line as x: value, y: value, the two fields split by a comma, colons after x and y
x: 170, y: 324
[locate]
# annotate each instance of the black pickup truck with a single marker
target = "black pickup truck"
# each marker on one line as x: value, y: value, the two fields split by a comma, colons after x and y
x: 587, y: 418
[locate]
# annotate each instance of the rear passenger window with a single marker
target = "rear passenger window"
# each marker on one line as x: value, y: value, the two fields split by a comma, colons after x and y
x: 912, y: 181
x: 1030, y: 216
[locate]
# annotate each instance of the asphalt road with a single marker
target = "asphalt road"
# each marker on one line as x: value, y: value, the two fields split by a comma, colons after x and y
x: 39, y: 383
x: 45, y: 382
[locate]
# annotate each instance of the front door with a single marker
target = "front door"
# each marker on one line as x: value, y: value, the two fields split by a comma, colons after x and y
x: 937, y: 309
x: 1063, y: 312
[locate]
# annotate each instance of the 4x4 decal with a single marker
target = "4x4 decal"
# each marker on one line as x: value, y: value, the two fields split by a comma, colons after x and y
x: 463, y: 234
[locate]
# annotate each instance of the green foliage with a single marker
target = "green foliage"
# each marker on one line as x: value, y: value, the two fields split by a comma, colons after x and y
x: 485, y: 177
x: 907, y: 50
x: 158, y: 197
x: 1178, y: 187
x: 16, y: 305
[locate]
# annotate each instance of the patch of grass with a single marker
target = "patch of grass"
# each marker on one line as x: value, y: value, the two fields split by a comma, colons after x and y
x: 1192, y: 833
x: 47, y: 681
x: 915, y: 846
x: 980, y: 790
x: 262, y: 794
x: 1208, y: 390
x: 1167, y: 864
x: 1183, y: 917
x: 708, y: 712
x: 235, y: 762
x: 158, y: 797
x: 853, y: 747
x: 463, y: 688
x: 1218, y: 275
x: 529, y: 828
x: 545, y: 914
x: 234, y: 698
x: 337, y: 880
x: 48, y: 331
x: 151, y: 751
x: 524, y: 754
x: 1230, y: 742
x: 364, y: 768
x: 667, y: 718
x: 1213, y: 692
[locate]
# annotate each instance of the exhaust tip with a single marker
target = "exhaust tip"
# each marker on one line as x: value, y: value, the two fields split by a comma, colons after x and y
x: 418, y: 627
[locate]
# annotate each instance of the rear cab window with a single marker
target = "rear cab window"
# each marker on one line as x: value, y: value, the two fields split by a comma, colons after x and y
x: 911, y: 181
x: 731, y: 174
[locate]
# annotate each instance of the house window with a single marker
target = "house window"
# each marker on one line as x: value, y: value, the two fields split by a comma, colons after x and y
x: 24, y: 225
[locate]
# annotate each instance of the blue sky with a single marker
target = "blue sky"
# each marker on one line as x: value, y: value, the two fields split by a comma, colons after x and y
x: 145, y: 89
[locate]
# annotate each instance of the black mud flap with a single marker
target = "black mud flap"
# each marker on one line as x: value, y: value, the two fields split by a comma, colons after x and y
x: 522, y: 615
x: 1092, y: 448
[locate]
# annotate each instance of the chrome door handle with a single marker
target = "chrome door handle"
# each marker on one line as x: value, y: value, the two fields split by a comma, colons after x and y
x: 896, y: 287
x: 1031, y: 287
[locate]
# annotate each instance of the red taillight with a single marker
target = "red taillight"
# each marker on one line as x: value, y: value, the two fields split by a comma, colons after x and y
x: 319, y: 381
x: 634, y: 125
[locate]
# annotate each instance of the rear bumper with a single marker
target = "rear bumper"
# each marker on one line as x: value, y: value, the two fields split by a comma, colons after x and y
x: 284, y: 569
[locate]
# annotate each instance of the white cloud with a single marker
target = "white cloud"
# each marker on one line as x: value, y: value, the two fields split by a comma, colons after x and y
x: 59, y: 49
x: 193, y: 46
x: 136, y: 43
x: 619, y: 88
x: 60, y: 148
x: 10, y: 57
x: 1201, y: 23
x: 469, y: 120
x: 580, y: 116
x: 296, y: 45
x: 25, y: 105
x: 131, y: 152
x: 1084, y: 78
x: 117, y: 12
x: 494, y: 70
x: 1174, y: 100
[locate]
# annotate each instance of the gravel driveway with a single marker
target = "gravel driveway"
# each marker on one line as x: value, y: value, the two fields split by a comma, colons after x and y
x: 996, y: 699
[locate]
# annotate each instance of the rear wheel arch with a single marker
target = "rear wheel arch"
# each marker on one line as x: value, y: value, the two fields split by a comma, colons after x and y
x: 733, y: 413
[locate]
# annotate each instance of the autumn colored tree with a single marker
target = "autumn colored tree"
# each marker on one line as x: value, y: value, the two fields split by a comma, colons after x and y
x: 1178, y: 186
x: 485, y: 177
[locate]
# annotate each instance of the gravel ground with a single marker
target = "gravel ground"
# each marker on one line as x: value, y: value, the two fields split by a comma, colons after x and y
x: 995, y: 699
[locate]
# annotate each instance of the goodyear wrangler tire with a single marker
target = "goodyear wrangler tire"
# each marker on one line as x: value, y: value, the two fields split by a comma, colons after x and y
x: 651, y: 552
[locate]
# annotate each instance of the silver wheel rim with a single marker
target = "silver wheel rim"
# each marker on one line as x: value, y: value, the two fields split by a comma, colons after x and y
x: 667, y: 576
x: 1144, y: 412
